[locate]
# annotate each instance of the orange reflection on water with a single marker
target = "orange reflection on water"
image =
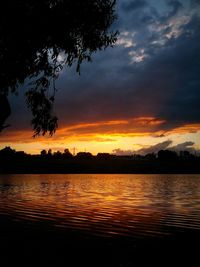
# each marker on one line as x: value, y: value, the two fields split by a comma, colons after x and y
x: 122, y: 205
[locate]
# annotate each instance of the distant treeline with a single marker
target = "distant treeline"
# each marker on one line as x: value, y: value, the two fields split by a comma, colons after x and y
x: 165, y: 161
x: 162, y: 154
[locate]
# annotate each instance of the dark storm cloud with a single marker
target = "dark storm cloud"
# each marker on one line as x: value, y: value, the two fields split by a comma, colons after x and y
x: 184, y: 146
x: 179, y: 65
x: 152, y: 71
x: 175, y: 7
x: 195, y: 3
x: 132, y: 5
x: 133, y: 15
x: 146, y: 150
x: 157, y: 147
x: 165, y: 85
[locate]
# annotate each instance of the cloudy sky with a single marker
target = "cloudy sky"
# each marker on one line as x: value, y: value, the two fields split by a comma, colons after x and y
x: 140, y: 95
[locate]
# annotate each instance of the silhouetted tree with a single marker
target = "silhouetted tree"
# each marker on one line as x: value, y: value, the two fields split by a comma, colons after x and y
x: 150, y: 156
x: 138, y: 157
x: 57, y: 154
x: 49, y: 153
x: 184, y: 154
x: 104, y: 156
x: 20, y: 154
x: 4, y: 110
x: 67, y: 153
x: 38, y: 38
x: 84, y: 155
x: 43, y: 153
x: 7, y: 152
x: 167, y: 155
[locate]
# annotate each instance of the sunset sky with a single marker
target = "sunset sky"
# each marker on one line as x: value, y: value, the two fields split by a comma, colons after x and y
x: 140, y: 96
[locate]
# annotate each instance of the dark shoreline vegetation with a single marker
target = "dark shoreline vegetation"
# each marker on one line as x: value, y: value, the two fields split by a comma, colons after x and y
x: 165, y: 161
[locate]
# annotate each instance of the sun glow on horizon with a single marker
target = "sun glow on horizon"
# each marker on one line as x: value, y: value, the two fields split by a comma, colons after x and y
x: 103, y: 136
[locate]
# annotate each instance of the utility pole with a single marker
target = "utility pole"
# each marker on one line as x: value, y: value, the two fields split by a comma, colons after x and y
x: 74, y: 149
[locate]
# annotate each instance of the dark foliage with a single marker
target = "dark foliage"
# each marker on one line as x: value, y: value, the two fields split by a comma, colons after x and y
x: 38, y: 38
x: 167, y: 155
x: 4, y: 111
x: 165, y: 161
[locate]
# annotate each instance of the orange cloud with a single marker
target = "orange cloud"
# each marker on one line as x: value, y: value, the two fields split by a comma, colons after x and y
x: 21, y: 136
x: 187, y: 128
x: 103, y: 131
x: 131, y: 126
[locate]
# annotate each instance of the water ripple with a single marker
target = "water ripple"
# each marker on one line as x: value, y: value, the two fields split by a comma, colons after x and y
x: 105, y: 205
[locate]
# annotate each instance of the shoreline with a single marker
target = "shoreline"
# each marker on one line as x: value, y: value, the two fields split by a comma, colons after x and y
x: 106, y: 173
x: 97, y: 166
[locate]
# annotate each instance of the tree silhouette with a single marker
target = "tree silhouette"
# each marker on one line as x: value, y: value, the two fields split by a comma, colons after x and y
x: 167, y: 155
x: 4, y: 111
x: 43, y: 153
x: 38, y: 38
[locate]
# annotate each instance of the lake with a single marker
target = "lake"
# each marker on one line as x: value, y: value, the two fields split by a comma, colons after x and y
x: 137, y: 212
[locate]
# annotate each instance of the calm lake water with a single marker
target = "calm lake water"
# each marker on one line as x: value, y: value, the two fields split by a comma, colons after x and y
x: 104, y: 205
